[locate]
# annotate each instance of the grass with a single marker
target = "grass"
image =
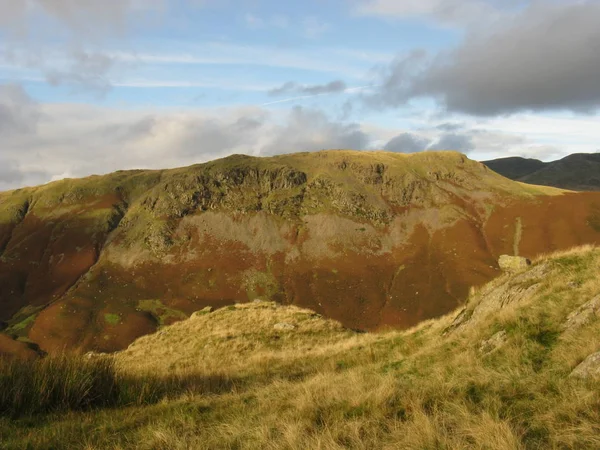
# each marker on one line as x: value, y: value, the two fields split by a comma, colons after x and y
x: 56, y: 384
x: 228, y: 379
x: 59, y: 384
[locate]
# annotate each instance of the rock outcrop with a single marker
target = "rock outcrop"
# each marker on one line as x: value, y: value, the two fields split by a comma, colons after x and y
x: 583, y: 315
x: 589, y: 368
x: 513, y: 263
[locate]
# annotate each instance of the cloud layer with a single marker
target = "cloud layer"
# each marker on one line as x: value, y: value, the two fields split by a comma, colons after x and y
x: 544, y: 58
x: 44, y: 142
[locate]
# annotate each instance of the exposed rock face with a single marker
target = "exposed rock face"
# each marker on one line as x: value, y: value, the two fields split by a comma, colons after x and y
x: 493, y: 343
x: 589, y: 368
x: 372, y: 239
x: 513, y: 263
x: 583, y: 315
x: 506, y: 292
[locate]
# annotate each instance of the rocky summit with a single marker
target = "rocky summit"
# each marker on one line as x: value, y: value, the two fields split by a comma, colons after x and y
x: 371, y: 239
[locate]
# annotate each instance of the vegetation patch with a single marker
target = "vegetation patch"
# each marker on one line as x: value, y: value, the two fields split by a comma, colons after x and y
x: 19, y: 324
x: 163, y: 314
x: 112, y: 319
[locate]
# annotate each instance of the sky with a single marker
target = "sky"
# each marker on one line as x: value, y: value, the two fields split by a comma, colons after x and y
x: 92, y: 86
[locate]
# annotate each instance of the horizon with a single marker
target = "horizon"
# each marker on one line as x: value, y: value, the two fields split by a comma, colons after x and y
x: 92, y: 87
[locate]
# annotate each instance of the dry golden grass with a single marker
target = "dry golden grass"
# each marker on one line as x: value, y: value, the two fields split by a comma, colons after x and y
x: 237, y: 383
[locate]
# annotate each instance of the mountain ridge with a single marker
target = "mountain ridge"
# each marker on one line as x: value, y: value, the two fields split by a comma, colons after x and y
x: 373, y: 239
x: 578, y: 171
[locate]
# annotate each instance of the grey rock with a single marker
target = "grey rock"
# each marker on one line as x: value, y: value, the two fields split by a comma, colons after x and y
x: 493, y: 343
x: 283, y: 326
x: 589, y: 368
x: 583, y: 315
x: 506, y: 292
x: 513, y: 263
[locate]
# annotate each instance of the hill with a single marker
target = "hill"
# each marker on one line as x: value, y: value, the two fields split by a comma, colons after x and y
x: 578, y: 172
x: 515, y: 368
x: 371, y: 239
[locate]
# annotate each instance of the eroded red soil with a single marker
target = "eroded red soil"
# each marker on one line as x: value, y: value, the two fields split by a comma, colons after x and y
x: 367, y: 275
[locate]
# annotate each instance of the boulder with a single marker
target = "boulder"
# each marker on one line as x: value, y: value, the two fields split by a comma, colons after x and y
x: 583, y: 315
x: 513, y: 263
x: 589, y: 368
x: 284, y: 326
x: 494, y: 343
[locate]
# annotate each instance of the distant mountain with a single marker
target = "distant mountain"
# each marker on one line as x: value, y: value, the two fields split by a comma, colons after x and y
x: 578, y: 172
x: 372, y: 239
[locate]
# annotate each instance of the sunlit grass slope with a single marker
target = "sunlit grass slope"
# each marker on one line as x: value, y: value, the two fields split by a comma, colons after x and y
x: 493, y: 375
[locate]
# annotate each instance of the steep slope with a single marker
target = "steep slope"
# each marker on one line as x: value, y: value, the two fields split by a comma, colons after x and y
x: 579, y: 172
x: 373, y: 239
x: 516, y: 368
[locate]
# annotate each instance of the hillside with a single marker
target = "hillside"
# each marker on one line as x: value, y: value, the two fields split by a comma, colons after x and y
x: 371, y: 239
x: 578, y: 172
x: 515, y: 368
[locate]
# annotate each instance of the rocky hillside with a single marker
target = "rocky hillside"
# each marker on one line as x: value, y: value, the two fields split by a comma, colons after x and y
x: 372, y: 239
x: 516, y: 367
x: 579, y: 172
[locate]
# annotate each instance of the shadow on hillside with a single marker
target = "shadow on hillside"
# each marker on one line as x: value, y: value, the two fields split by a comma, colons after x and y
x: 57, y: 384
x: 148, y: 388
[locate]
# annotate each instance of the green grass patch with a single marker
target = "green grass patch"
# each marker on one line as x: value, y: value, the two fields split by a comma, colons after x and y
x: 163, y: 314
x: 22, y: 320
x: 112, y: 319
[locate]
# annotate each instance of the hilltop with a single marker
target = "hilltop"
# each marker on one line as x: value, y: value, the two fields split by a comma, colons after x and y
x: 515, y: 367
x: 578, y: 172
x: 371, y: 239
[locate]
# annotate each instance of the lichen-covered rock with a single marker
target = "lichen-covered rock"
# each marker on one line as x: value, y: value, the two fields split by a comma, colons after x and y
x: 494, y: 343
x: 284, y: 326
x: 589, y: 368
x: 583, y: 315
x: 513, y: 263
x: 504, y: 292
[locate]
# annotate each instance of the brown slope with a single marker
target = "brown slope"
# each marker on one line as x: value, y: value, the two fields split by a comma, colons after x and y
x: 372, y: 239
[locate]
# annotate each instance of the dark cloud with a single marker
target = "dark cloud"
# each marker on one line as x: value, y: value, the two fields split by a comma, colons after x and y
x: 450, y: 126
x: 407, y: 143
x: 453, y: 141
x: 19, y: 114
x: 292, y: 88
x: 9, y: 173
x: 544, y: 58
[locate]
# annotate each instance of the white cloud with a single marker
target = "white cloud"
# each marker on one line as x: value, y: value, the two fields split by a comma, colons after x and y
x: 79, y: 140
x: 454, y: 12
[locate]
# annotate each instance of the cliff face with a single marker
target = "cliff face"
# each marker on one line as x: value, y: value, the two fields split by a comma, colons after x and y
x: 373, y: 239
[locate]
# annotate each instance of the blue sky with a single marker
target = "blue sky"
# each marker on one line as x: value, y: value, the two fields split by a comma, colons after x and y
x: 90, y: 86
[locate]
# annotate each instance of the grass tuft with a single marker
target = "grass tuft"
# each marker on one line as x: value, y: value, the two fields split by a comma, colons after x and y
x: 56, y: 384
